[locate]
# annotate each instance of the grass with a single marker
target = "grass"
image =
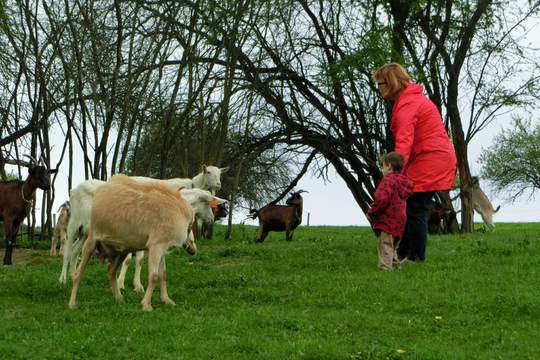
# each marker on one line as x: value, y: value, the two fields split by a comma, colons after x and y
x: 317, y: 297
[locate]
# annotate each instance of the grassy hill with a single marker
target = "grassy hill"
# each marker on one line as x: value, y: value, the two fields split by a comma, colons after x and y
x: 319, y: 296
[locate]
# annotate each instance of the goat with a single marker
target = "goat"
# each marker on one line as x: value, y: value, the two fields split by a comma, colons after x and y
x: 60, y: 229
x: 482, y: 205
x: 220, y: 212
x: 209, y: 178
x: 442, y: 220
x: 129, y: 216
x: 81, y: 202
x: 81, y: 198
x: 207, y: 228
x: 16, y: 198
x: 175, y: 183
x: 274, y: 217
x: 200, y: 202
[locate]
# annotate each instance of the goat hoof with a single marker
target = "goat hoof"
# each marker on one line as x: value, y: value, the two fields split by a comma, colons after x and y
x: 139, y: 288
x: 147, y: 307
x: 168, y: 302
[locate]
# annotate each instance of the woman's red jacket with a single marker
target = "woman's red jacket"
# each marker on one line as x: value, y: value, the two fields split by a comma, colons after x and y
x: 420, y: 136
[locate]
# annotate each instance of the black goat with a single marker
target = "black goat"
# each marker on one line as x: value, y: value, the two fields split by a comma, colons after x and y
x: 16, y: 200
x: 274, y: 217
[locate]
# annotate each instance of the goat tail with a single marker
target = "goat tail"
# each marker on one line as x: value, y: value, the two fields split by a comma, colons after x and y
x: 497, y: 209
x: 253, y: 213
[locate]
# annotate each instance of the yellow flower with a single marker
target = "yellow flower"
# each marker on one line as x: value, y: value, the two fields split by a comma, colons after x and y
x: 438, y: 317
x: 401, y: 351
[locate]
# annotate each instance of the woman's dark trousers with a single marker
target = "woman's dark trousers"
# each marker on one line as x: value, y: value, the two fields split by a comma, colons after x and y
x: 413, y: 242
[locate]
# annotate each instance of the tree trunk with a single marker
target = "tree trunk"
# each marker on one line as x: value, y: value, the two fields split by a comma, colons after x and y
x: 467, y: 211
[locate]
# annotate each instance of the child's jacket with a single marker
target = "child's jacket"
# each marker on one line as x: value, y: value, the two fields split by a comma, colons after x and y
x: 389, y: 209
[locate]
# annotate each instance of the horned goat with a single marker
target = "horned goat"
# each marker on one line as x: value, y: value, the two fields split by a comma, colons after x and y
x: 274, y: 217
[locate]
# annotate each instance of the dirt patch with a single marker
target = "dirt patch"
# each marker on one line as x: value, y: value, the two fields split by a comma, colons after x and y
x: 25, y: 257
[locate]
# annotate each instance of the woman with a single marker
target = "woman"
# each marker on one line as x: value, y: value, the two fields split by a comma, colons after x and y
x: 430, y: 160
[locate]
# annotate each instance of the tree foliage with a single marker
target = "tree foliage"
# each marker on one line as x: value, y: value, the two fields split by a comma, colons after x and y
x: 512, y: 163
x: 158, y: 88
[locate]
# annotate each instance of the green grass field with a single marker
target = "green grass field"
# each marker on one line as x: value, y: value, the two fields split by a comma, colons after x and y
x: 319, y: 296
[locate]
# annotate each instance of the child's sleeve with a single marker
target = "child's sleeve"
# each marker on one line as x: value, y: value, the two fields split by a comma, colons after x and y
x: 382, y: 199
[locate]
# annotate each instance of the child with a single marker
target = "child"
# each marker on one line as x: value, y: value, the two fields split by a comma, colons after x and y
x: 388, y: 212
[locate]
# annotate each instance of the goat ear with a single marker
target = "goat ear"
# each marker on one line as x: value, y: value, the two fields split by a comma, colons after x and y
x: 224, y: 169
x: 203, y: 168
x: 52, y: 171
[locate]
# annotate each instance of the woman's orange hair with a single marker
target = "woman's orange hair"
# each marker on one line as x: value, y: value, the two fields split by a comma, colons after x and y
x: 393, y: 79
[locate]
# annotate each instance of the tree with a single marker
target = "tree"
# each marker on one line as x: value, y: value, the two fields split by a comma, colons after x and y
x: 310, y: 62
x: 470, y: 59
x: 512, y: 163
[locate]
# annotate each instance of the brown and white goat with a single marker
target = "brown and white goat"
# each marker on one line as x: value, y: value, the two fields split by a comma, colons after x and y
x: 60, y: 229
x: 274, y: 217
x: 16, y: 200
x: 128, y: 216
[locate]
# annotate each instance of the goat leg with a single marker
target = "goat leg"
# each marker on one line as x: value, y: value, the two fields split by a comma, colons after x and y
x: 10, y: 241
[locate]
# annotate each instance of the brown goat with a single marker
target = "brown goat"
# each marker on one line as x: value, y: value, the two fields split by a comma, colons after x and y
x: 274, y: 217
x: 442, y: 220
x: 16, y: 201
x: 60, y: 229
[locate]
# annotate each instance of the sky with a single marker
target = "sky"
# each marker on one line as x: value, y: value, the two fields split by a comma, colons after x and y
x: 331, y: 203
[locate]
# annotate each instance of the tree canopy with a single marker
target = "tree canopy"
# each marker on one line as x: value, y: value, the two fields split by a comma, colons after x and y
x: 271, y: 89
x: 512, y: 163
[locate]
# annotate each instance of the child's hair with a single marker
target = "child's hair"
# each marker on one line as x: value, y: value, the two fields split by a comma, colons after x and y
x: 395, y: 160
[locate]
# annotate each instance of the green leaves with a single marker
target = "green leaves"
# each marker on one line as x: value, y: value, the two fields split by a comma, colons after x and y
x: 375, y: 49
x: 512, y: 163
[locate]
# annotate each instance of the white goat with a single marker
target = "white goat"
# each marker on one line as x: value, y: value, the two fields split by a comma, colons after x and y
x: 81, y: 198
x: 209, y: 178
x: 175, y: 183
x: 60, y: 229
x: 127, y: 216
